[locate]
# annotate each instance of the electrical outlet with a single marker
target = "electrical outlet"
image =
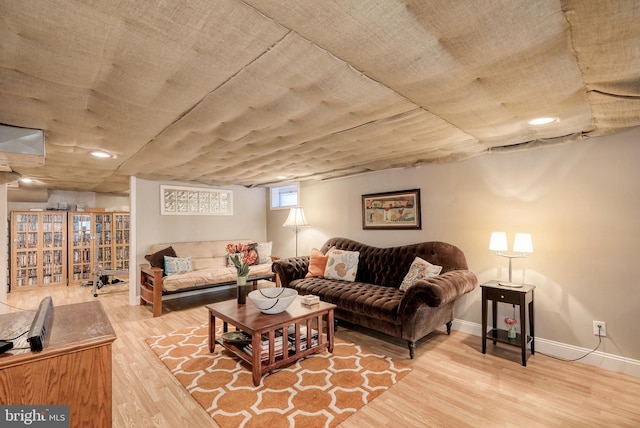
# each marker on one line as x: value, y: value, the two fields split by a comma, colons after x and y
x: 600, y: 328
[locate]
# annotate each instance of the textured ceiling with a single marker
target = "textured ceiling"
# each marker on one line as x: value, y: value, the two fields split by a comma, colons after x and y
x: 241, y: 92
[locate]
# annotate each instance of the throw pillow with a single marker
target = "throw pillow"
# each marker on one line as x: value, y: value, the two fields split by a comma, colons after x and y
x: 420, y: 269
x: 174, y: 265
x: 252, y: 249
x: 157, y: 259
x: 317, y: 263
x: 342, y: 265
x: 230, y: 262
x: 264, y: 252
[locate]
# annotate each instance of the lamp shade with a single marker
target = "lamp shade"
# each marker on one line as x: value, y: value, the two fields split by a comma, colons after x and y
x: 498, y: 241
x: 296, y: 218
x: 522, y: 243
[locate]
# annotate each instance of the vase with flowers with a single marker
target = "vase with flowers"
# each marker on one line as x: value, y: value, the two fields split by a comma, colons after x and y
x: 511, y: 323
x: 241, y: 258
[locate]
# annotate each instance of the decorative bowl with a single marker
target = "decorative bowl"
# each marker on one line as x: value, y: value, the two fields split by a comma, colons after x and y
x: 273, y: 300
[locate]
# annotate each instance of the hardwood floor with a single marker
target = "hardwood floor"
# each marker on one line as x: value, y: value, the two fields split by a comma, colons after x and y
x: 452, y: 383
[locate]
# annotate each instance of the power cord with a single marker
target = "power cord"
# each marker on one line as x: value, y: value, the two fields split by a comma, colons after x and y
x: 585, y: 355
x: 21, y: 334
x: 14, y: 338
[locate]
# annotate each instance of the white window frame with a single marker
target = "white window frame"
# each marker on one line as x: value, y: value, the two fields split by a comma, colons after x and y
x: 276, y: 192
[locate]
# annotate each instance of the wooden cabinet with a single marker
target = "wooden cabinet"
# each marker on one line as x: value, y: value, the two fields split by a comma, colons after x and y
x: 103, y: 228
x: 74, y: 368
x: 60, y: 247
x: 38, y: 248
x: 97, y: 238
x: 80, y: 247
x: 121, y: 240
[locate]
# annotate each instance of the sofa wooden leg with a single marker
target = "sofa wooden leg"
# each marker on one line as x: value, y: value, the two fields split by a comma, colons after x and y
x: 335, y: 325
x: 449, y: 327
x: 412, y: 349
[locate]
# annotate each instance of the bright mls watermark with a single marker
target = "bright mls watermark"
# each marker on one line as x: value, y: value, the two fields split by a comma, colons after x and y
x: 34, y: 416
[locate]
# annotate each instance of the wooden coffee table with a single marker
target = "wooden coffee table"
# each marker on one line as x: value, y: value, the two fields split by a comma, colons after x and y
x: 265, y: 328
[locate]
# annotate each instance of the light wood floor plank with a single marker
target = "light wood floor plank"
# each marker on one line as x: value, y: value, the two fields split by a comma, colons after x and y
x: 452, y: 382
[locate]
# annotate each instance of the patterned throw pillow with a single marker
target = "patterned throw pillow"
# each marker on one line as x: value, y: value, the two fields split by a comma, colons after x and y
x: 251, y: 249
x: 174, y: 265
x: 264, y: 252
x: 342, y: 265
x: 420, y: 269
x: 230, y: 261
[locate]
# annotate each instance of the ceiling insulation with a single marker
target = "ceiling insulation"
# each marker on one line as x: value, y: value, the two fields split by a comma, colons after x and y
x: 241, y: 92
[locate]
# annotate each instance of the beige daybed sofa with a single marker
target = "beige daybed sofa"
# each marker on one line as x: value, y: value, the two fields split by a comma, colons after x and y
x: 209, y: 263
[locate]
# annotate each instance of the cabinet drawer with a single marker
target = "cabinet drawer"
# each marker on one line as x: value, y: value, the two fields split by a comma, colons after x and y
x: 505, y: 296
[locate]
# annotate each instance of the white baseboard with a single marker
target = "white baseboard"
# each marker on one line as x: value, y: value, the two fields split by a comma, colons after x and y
x: 603, y: 360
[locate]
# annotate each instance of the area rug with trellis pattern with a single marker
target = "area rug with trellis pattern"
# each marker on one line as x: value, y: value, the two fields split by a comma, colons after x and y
x: 321, y: 390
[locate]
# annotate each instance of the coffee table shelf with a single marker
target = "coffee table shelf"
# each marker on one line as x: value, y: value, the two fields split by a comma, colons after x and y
x: 265, y: 327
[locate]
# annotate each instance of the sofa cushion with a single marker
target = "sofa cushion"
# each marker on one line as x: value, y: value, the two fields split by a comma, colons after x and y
x: 317, y: 263
x: 373, y: 301
x: 342, y: 265
x: 420, y: 269
x: 157, y: 259
x: 202, y: 277
x: 174, y: 265
x: 198, y: 248
x: 199, y: 263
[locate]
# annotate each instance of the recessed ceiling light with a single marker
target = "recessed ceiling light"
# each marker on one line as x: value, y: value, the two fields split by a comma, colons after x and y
x: 100, y: 154
x: 541, y: 121
x: 26, y: 180
x: 281, y: 177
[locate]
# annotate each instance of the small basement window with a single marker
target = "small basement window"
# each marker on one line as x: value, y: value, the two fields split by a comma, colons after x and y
x: 286, y: 196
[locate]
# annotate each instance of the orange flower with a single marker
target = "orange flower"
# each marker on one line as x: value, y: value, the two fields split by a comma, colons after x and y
x: 248, y: 258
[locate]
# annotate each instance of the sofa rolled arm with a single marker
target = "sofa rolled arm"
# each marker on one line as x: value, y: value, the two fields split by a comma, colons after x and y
x: 438, y: 290
x: 290, y: 269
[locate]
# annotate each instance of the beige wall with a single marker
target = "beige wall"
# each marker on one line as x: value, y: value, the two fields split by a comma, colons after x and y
x: 580, y: 202
x: 111, y: 202
x: 247, y: 222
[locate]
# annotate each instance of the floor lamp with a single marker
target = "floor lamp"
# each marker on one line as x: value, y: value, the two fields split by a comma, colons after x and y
x: 296, y: 220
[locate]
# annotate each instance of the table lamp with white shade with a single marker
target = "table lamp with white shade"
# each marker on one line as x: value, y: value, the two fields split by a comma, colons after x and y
x: 522, y: 247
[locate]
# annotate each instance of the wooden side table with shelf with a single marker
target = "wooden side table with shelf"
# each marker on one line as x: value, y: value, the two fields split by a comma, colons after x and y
x: 521, y: 296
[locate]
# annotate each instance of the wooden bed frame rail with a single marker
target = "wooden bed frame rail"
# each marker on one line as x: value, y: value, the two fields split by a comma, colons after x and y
x: 150, y: 277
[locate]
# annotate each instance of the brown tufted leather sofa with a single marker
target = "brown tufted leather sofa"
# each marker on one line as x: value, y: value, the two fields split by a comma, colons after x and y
x: 375, y: 301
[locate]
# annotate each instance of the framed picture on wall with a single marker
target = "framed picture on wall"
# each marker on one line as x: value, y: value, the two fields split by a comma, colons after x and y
x: 392, y: 210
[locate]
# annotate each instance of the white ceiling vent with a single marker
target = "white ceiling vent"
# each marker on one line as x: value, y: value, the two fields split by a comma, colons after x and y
x: 21, y: 146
